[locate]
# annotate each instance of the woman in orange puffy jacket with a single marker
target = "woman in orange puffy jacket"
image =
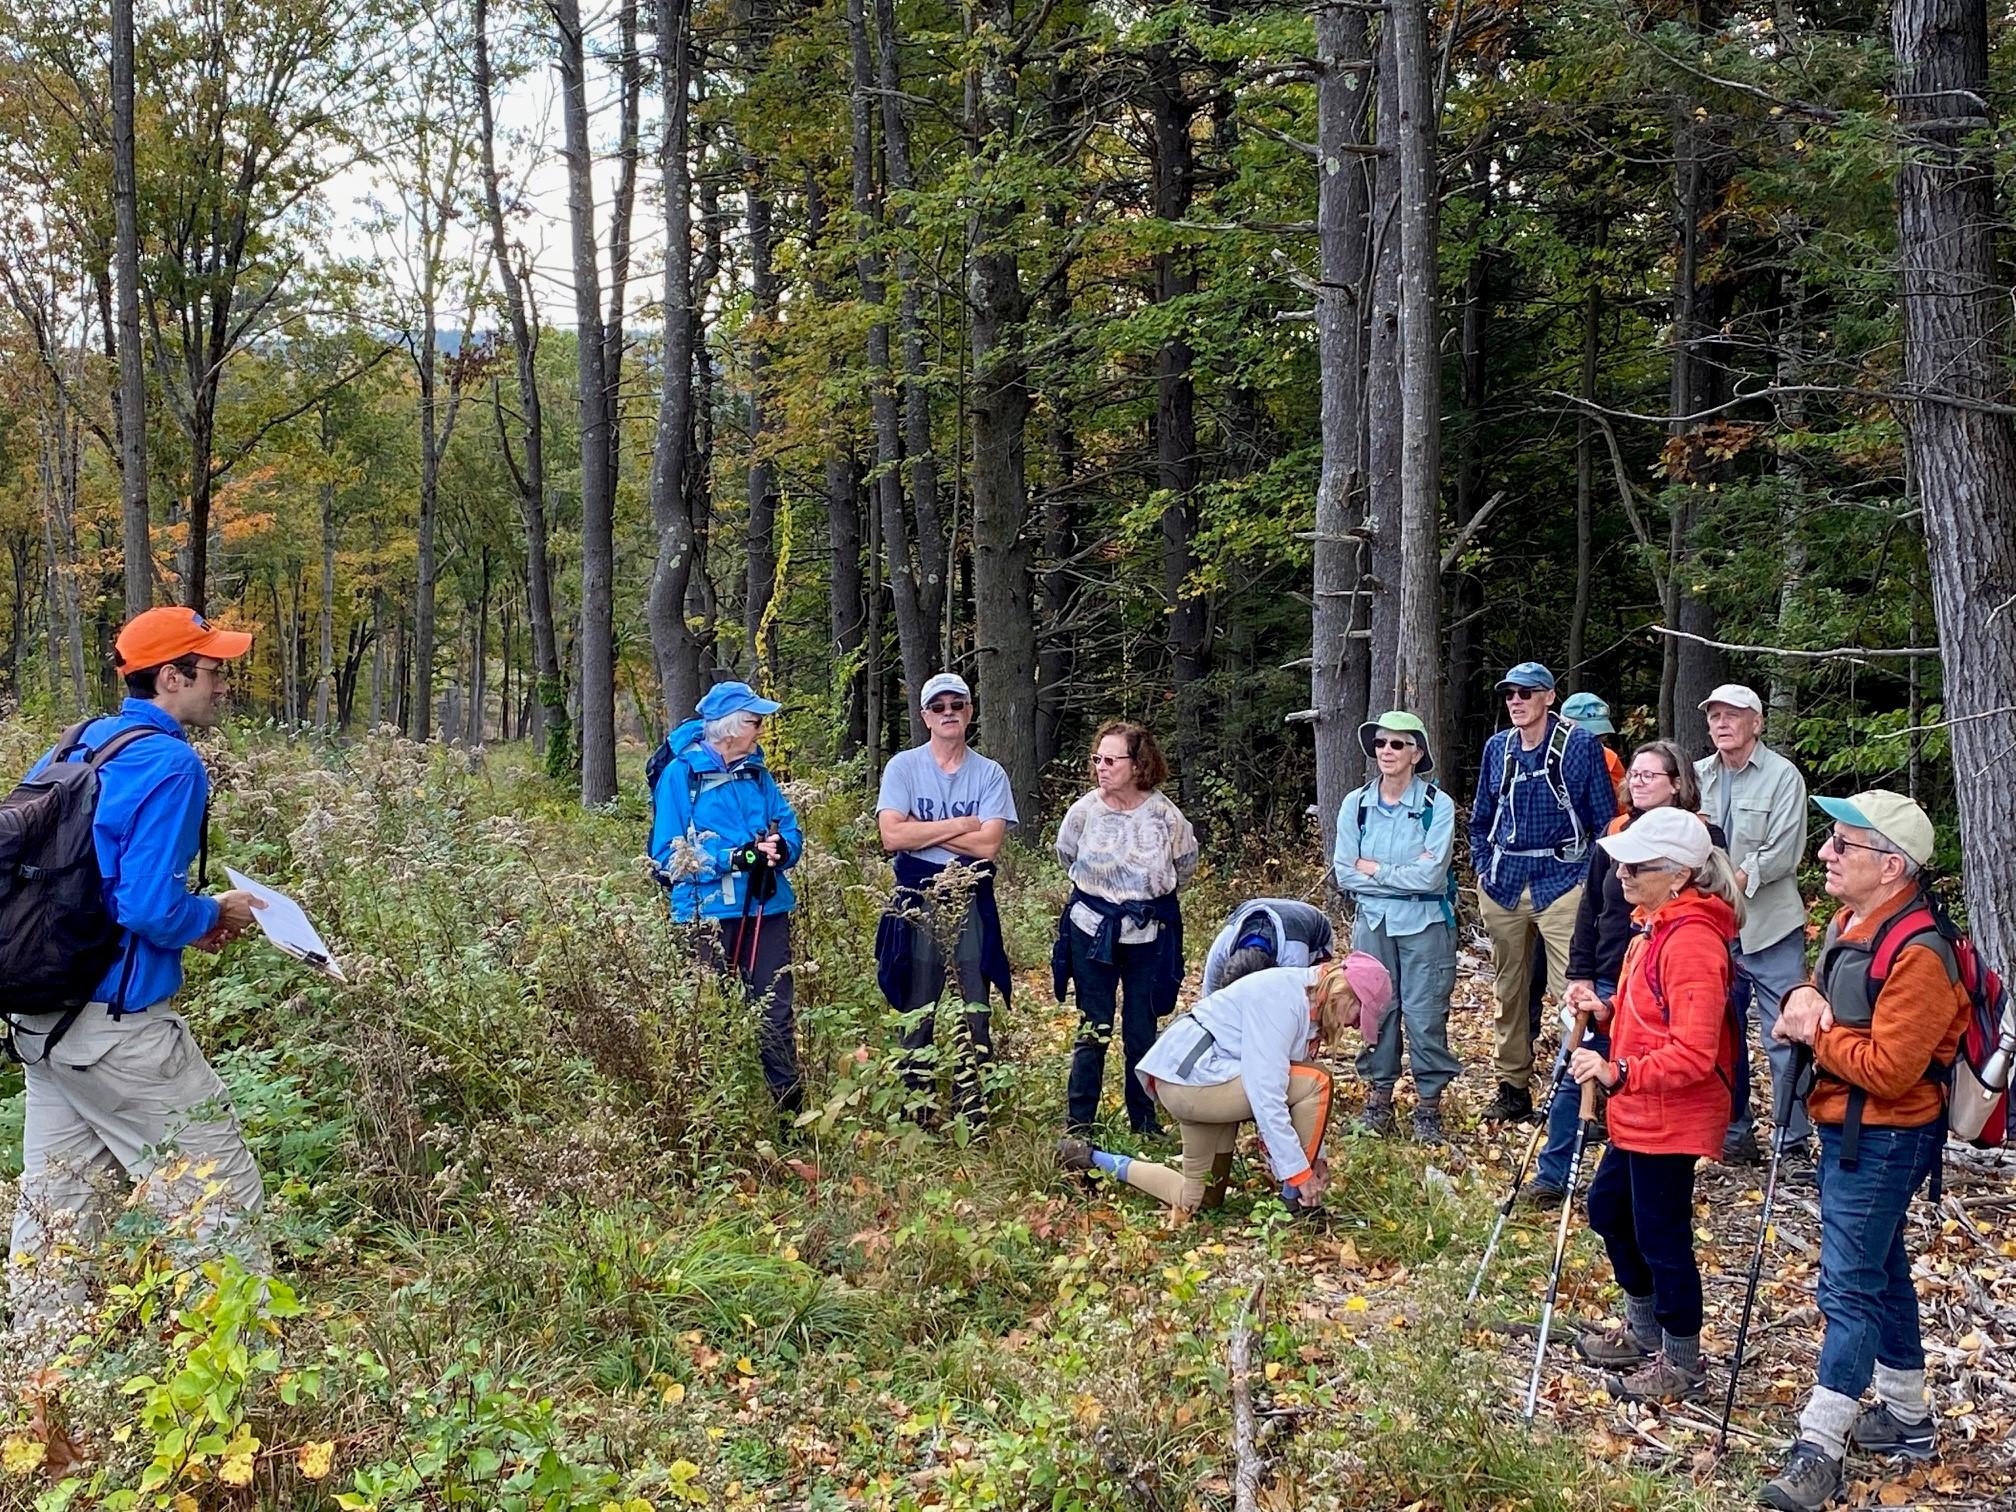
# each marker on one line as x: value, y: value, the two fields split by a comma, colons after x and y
x: 1669, y: 1073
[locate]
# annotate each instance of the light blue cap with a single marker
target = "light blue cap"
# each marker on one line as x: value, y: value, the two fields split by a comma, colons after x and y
x: 1528, y: 674
x: 734, y: 698
x: 1590, y: 712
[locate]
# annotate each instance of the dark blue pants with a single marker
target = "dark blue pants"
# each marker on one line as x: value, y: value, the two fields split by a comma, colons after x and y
x: 1565, y: 1111
x: 1643, y: 1206
x: 1128, y: 984
x: 1865, y: 1290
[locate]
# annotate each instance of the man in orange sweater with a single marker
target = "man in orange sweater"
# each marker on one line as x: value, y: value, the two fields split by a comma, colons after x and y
x: 1883, y: 1047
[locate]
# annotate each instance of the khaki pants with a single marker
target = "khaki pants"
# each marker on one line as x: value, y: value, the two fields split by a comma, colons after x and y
x: 123, y: 1099
x: 1512, y: 931
x: 1210, y: 1118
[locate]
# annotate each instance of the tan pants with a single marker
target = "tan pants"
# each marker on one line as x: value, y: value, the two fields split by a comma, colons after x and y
x: 1210, y: 1118
x: 1512, y: 931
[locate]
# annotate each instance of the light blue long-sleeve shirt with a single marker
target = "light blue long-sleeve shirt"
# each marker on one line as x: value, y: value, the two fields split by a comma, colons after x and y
x: 1411, y: 842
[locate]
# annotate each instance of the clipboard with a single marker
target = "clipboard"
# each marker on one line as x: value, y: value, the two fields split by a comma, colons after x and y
x: 287, y: 928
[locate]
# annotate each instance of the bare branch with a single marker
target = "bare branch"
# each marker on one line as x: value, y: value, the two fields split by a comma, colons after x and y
x: 1837, y: 653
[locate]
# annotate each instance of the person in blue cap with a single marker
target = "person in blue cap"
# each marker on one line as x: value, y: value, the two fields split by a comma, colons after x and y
x: 723, y: 837
x: 1543, y: 796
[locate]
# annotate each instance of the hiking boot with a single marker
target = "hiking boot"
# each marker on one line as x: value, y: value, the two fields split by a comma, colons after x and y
x: 1658, y: 1380
x: 1741, y: 1150
x: 1428, y: 1124
x: 1617, y: 1347
x: 1074, y: 1154
x: 1377, y: 1119
x: 1809, y: 1481
x: 1540, y: 1194
x: 1881, y: 1431
x: 1511, y: 1105
x: 1795, y: 1165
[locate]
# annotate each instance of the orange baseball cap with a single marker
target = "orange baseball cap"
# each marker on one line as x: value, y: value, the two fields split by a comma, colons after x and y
x: 170, y: 633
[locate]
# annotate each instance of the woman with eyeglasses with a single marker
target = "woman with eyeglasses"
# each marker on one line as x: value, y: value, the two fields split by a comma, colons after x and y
x: 1660, y: 776
x: 1393, y: 842
x: 1120, y: 937
x: 1670, y: 1075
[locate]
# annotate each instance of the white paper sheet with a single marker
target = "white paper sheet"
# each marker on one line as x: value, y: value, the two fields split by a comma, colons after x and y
x: 287, y: 926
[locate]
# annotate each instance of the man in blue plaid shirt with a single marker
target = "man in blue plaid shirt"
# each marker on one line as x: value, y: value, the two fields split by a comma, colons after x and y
x: 1543, y: 798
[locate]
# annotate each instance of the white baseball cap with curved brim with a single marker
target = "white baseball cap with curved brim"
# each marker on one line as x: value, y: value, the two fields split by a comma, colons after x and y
x: 1893, y: 816
x: 1661, y: 834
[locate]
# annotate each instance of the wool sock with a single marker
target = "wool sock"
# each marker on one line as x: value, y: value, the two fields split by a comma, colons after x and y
x: 1903, y: 1392
x: 1683, y: 1353
x: 1642, y: 1319
x: 1827, y: 1419
x: 1113, y: 1165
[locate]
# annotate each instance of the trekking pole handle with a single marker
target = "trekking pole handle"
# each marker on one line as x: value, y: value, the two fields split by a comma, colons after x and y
x: 1589, y: 1099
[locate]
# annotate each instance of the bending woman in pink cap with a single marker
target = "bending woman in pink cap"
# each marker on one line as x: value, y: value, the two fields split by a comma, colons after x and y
x: 1247, y: 1051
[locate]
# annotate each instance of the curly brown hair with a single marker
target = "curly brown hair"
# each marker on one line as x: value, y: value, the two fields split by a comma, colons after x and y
x: 1151, y: 768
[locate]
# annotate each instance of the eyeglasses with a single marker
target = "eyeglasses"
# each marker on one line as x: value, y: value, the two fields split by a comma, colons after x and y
x: 1105, y: 761
x: 946, y: 705
x: 1392, y: 745
x: 219, y: 671
x: 1842, y: 846
x: 1645, y: 868
x: 1634, y: 775
x: 1520, y: 695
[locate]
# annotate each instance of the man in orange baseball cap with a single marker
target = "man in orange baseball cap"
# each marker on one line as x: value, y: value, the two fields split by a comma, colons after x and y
x: 128, y: 1088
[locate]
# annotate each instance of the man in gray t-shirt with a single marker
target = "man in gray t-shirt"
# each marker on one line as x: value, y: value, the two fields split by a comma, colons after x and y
x: 941, y: 803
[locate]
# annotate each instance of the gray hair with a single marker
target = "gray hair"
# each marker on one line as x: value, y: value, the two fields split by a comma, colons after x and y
x: 727, y: 727
x: 1717, y: 877
x: 1882, y: 842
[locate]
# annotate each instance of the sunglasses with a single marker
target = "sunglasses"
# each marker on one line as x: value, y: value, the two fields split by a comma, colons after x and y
x: 1104, y: 761
x: 1645, y: 868
x: 946, y: 705
x: 1520, y: 695
x: 1842, y: 847
x: 1392, y: 745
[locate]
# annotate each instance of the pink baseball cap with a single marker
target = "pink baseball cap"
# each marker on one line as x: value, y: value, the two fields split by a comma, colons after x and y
x: 1369, y: 983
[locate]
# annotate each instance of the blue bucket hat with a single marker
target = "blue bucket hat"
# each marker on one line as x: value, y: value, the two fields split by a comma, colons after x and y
x: 734, y: 698
x: 1528, y: 674
x: 1590, y: 712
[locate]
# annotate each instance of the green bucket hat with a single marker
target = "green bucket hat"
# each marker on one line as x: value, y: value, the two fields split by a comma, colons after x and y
x: 1401, y: 723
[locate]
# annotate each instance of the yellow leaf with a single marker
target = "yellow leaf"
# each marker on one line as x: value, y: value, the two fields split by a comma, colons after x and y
x: 236, y: 1470
x: 1273, y: 1370
x: 675, y: 1393
x: 21, y: 1455
x: 314, y: 1460
x: 184, y: 1503
x: 745, y: 1365
x: 1356, y: 1304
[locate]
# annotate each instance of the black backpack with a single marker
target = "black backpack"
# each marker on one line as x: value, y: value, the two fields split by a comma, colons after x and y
x: 57, y: 937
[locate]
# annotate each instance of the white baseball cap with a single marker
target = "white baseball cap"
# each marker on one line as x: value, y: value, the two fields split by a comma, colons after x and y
x: 1736, y: 696
x: 943, y: 682
x: 1661, y: 834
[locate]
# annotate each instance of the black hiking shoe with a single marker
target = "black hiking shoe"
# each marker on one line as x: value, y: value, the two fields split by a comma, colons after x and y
x: 1511, y: 1105
x: 1540, y: 1194
x: 1881, y: 1431
x: 1427, y: 1126
x: 1741, y: 1150
x: 1809, y: 1481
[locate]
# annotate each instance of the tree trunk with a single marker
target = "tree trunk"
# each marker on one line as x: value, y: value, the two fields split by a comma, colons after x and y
x: 1342, y: 228
x: 1792, y: 350
x: 1420, y: 667
x: 1173, y: 164
x: 1585, y: 485
x: 1384, y: 437
x: 929, y: 576
x: 420, y: 707
x: 1962, y: 450
x: 1002, y: 603
x: 530, y: 473
x: 325, y: 627
x: 630, y: 90
x: 673, y: 647
x: 131, y: 405
x: 598, y: 631
x: 1464, y: 594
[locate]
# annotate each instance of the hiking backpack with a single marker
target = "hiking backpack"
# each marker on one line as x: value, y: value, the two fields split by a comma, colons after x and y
x: 1975, y: 1111
x: 57, y: 937
x: 1552, y: 766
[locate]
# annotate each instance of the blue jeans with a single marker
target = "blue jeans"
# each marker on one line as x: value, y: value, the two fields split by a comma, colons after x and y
x: 1565, y: 1110
x: 1129, y: 984
x: 1764, y: 977
x: 1423, y: 968
x: 1865, y: 1291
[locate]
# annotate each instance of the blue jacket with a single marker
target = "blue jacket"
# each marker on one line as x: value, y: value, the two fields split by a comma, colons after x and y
x: 147, y: 830
x: 1536, y: 822
x: 1411, y: 843
x: 703, y: 810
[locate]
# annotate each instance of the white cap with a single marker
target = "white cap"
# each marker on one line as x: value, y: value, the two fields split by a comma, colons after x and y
x: 1661, y: 834
x: 1736, y: 696
x: 944, y: 682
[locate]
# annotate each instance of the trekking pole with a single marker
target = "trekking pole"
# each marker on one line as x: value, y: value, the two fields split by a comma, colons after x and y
x: 1582, y: 1128
x: 766, y: 869
x: 1532, y: 1145
x: 1802, y: 1060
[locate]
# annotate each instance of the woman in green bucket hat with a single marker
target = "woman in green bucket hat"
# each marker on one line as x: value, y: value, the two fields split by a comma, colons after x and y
x: 1394, y: 837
